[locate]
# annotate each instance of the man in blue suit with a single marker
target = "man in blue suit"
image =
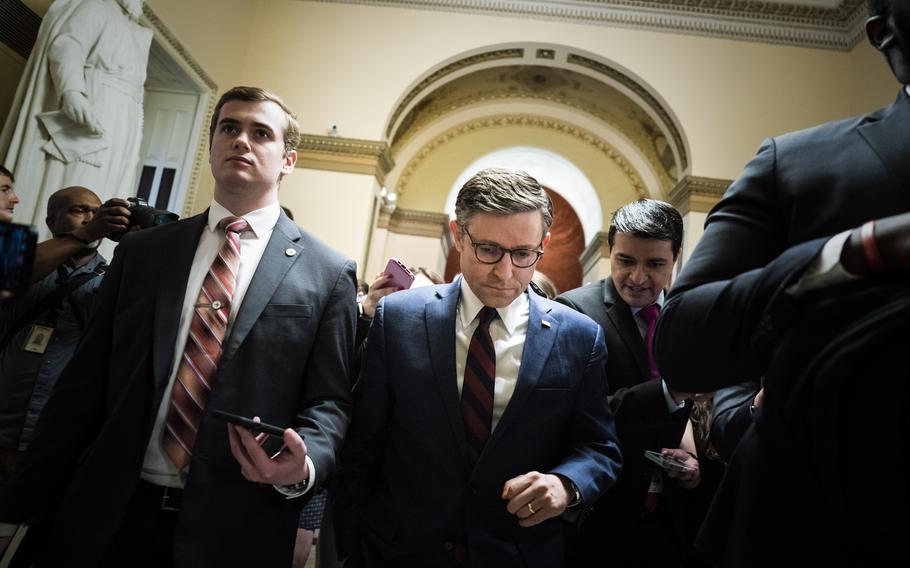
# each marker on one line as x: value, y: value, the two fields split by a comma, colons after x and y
x: 481, y: 428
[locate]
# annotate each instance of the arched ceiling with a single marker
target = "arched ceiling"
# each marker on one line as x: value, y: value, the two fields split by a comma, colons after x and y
x: 553, y: 85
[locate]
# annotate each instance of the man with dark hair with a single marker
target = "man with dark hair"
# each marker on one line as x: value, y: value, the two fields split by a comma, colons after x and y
x: 637, y: 514
x: 812, y: 209
x: 8, y: 197
x: 236, y: 309
x: 481, y: 423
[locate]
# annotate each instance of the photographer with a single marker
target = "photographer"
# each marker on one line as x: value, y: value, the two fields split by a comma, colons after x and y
x: 39, y: 330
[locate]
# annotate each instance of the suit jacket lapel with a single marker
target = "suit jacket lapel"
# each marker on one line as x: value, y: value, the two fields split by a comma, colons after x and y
x: 889, y: 138
x: 538, y: 343
x: 181, y: 243
x: 440, y: 317
x: 621, y: 316
x: 273, y: 265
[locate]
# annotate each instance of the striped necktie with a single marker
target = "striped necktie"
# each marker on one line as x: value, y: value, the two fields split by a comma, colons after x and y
x: 203, y: 347
x: 477, y: 387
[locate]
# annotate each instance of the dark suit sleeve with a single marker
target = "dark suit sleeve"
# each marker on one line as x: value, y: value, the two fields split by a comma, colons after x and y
x: 594, y: 461
x: 360, y: 463
x: 714, y: 330
x: 732, y: 416
x: 74, y: 413
x: 325, y: 404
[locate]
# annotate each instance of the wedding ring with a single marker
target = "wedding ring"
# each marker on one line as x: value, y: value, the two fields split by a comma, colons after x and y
x: 531, y: 509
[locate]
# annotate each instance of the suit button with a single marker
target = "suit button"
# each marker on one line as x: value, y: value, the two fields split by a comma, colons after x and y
x: 448, y: 546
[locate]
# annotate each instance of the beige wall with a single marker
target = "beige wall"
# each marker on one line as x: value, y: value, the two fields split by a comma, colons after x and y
x: 336, y: 207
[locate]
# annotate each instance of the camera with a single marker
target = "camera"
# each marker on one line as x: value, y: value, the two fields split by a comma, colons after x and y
x: 143, y: 215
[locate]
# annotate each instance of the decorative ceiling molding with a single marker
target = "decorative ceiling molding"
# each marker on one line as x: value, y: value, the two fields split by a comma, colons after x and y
x: 529, y: 121
x: 350, y: 155
x: 415, y: 223
x: 514, y: 53
x: 698, y: 194
x: 838, y: 28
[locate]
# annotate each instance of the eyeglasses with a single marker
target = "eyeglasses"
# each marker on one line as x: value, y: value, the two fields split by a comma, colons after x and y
x: 488, y: 253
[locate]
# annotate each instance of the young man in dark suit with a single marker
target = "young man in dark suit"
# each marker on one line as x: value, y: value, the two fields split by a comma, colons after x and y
x: 235, y: 309
x: 641, y: 511
x: 481, y: 425
x: 797, y: 219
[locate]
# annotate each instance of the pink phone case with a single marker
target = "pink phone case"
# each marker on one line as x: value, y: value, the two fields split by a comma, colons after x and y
x: 399, y: 273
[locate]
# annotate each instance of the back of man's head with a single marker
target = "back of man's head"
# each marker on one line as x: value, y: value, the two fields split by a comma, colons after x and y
x: 877, y: 7
x: 7, y: 173
x: 502, y: 192
x: 888, y: 29
x: 649, y: 219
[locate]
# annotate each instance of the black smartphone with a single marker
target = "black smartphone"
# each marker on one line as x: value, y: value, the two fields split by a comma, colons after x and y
x: 249, y: 424
x: 17, y: 255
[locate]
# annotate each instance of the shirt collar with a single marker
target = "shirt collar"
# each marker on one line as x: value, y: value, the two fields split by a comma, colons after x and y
x: 261, y: 221
x: 659, y: 302
x: 469, y: 305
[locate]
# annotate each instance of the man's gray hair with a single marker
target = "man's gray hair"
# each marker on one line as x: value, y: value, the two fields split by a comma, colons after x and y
x: 502, y: 192
x: 648, y: 219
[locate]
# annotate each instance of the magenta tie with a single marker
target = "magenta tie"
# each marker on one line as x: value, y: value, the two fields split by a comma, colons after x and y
x: 477, y: 387
x: 203, y: 347
x: 649, y: 314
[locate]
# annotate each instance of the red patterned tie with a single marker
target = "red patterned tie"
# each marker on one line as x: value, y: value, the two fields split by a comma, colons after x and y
x: 477, y: 387
x: 649, y: 314
x: 203, y: 347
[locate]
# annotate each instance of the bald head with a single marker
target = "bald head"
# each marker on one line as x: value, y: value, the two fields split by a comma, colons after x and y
x: 69, y: 207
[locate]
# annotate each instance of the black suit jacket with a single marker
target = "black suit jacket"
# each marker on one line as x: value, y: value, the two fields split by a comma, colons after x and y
x: 643, y: 422
x: 730, y: 306
x: 286, y: 360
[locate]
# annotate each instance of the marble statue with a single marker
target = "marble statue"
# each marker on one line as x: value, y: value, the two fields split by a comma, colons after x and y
x: 77, y: 115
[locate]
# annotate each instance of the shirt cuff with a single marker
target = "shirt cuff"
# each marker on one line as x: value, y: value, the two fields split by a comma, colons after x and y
x: 672, y: 405
x: 294, y: 491
x: 825, y: 269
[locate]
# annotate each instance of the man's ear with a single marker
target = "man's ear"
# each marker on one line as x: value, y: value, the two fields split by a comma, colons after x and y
x: 879, y: 33
x: 49, y: 221
x: 456, y: 233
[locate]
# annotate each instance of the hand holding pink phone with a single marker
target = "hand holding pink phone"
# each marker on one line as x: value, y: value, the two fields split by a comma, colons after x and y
x: 398, y: 273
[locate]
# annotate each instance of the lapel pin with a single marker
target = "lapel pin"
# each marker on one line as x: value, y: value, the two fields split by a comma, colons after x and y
x: 290, y: 252
x: 545, y: 323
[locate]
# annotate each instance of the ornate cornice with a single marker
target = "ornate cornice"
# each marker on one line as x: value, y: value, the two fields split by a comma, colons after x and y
x: 698, y: 194
x: 349, y: 155
x: 511, y: 53
x: 747, y: 20
x: 635, y: 87
x: 596, y: 250
x: 415, y: 223
x: 523, y: 120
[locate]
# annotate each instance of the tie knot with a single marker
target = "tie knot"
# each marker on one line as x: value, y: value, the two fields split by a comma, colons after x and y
x: 487, y: 315
x: 233, y: 224
x: 650, y: 313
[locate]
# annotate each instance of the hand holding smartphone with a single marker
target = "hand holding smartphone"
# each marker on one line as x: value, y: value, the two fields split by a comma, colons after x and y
x: 668, y: 463
x: 399, y: 275
x: 249, y: 424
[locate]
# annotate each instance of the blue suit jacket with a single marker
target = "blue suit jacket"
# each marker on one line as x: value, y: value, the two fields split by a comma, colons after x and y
x: 405, y: 492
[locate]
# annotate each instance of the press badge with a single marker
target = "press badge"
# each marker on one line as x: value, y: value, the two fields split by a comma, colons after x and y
x: 38, y: 338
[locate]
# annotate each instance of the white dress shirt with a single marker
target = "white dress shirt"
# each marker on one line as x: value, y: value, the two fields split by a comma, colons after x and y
x: 156, y: 467
x: 508, y: 332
